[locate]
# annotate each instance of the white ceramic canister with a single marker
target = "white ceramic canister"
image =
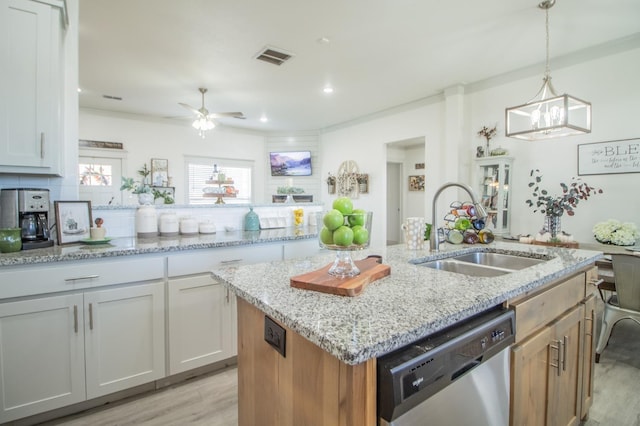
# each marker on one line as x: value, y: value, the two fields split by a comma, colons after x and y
x: 207, y: 227
x: 169, y: 225
x: 188, y: 226
x: 146, y: 221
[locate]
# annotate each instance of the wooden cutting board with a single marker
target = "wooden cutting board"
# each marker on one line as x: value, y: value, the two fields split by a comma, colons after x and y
x: 319, y: 280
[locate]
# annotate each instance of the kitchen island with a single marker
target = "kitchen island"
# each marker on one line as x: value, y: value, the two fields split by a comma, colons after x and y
x: 411, y: 303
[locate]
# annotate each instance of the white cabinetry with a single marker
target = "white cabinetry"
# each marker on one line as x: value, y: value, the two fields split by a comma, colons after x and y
x: 30, y: 87
x: 494, y: 180
x: 202, y: 313
x: 103, y: 340
x: 41, y: 355
x: 201, y: 322
x: 124, y: 337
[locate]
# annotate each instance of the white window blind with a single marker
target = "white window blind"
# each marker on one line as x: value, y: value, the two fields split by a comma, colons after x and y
x: 200, y: 170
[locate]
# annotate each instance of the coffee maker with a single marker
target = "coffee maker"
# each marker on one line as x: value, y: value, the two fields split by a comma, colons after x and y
x: 28, y: 209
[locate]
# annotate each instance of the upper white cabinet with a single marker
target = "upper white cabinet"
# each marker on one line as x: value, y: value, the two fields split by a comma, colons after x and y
x: 31, y: 87
x: 494, y: 179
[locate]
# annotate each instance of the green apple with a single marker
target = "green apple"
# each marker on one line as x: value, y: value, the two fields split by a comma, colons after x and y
x: 326, y: 236
x: 357, y: 217
x: 360, y: 235
x: 333, y: 219
x: 343, y: 205
x: 343, y: 236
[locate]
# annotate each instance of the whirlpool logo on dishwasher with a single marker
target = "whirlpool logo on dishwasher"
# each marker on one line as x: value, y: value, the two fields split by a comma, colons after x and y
x: 416, y: 383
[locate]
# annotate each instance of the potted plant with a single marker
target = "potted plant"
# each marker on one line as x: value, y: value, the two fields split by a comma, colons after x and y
x: 554, y: 206
x: 144, y: 192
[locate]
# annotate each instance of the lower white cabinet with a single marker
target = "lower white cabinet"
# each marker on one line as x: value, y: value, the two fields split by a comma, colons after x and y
x: 124, y: 337
x: 202, y: 322
x: 41, y: 355
x: 59, y: 350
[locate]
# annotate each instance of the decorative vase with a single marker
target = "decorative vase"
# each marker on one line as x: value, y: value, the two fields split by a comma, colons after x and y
x: 552, y: 225
x: 10, y: 240
x: 145, y: 198
x: 251, y: 221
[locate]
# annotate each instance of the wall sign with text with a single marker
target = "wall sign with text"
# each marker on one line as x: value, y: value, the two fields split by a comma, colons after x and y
x: 602, y: 158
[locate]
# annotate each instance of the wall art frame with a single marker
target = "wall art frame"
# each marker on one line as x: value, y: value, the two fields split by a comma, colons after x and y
x: 609, y: 157
x: 159, y: 172
x: 416, y: 183
x: 73, y: 221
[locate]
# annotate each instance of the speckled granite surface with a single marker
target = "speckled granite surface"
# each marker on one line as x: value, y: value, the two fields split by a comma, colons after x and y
x: 413, y: 302
x: 132, y: 246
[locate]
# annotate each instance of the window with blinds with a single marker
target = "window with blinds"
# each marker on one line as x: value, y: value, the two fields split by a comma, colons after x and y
x: 201, y: 177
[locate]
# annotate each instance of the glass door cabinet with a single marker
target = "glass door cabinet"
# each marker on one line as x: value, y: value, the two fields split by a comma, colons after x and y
x: 494, y: 177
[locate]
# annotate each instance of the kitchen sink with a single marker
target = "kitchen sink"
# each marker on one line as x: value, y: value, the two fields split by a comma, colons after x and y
x: 499, y: 260
x: 482, y: 264
x: 465, y: 268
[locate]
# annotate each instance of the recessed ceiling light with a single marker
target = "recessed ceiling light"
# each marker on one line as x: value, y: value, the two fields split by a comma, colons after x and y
x: 264, y: 119
x: 327, y: 89
x: 324, y: 40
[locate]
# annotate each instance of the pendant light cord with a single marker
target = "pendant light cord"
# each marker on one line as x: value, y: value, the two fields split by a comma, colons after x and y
x: 547, y: 70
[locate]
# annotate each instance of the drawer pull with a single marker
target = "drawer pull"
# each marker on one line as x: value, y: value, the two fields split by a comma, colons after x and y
x: 90, y: 316
x: 86, y: 277
x: 75, y: 318
x: 558, y: 347
x: 230, y: 261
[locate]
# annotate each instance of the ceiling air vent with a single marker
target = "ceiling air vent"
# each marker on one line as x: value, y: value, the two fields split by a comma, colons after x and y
x: 274, y: 56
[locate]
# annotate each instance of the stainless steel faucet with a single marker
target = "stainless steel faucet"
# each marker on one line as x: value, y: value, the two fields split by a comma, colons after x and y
x: 481, y: 213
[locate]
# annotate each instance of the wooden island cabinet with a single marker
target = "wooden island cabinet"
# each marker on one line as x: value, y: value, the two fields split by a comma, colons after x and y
x: 551, y: 365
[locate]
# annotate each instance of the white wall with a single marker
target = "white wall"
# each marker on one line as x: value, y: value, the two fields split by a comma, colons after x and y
x: 146, y: 138
x: 606, y: 82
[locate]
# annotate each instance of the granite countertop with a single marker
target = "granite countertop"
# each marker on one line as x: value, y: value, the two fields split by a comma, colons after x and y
x: 411, y: 303
x: 128, y: 246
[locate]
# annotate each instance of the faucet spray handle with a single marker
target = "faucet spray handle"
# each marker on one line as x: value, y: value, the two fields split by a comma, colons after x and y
x: 481, y: 212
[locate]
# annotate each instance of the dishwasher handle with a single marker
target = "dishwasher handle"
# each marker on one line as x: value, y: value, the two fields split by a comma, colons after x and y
x: 470, y: 366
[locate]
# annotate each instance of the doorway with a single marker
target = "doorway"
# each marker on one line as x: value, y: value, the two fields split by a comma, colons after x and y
x: 394, y: 202
x: 100, y: 176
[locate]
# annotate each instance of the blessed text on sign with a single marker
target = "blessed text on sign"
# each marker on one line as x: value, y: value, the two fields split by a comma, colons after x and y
x: 600, y: 158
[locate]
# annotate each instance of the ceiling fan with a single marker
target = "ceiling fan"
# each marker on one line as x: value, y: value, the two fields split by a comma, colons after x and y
x: 204, y: 120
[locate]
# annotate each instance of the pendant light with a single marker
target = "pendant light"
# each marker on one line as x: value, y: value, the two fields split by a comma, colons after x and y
x: 548, y: 115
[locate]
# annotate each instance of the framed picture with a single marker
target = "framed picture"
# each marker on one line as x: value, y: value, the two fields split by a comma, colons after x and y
x: 610, y: 157
x: 73, y: 220
x: 159, y: 172
x: 416, y: 183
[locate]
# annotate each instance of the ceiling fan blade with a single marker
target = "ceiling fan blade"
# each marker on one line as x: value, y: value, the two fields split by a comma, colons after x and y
x: 227, y: 114
x: 190, y: 108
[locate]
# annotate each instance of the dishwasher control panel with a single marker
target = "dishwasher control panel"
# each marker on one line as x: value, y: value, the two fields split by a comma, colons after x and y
x: 415, y: 372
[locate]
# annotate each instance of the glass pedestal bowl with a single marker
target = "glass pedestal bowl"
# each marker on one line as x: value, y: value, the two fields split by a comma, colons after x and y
x: 357, y: 224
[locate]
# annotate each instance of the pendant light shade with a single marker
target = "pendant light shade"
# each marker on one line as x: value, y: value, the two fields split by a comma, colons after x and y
x: 548, y: 115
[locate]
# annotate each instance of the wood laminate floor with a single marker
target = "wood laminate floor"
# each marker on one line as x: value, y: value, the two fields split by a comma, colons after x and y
x: 212, y: 400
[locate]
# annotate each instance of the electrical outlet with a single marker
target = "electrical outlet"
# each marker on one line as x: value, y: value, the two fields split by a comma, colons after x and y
x: 274, y: 335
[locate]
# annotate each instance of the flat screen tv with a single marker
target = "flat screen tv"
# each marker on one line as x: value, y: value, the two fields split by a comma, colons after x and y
x: 290, y: 163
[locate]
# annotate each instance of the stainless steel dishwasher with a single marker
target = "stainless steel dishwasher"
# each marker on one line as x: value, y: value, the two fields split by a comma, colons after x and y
x: 459, y: 376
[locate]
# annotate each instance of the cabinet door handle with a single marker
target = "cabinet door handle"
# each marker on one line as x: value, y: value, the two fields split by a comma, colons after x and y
x: 41, y: 144
x: 590, y: 332
x: 565, y: 343
x: 558, y: 348
x: 227, y: 296
x: 75, y: 318
x: 90, y: 316
x: 230, y: 261
x: 86, y: 277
